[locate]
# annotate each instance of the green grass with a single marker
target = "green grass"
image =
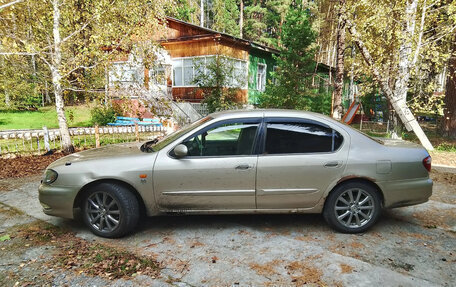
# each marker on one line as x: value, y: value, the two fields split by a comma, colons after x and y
x: 77, y: 116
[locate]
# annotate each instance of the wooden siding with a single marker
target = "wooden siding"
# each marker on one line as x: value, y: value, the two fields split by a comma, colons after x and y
x: 195, y: 94
x: 177, y: 30
x: 205, y: 47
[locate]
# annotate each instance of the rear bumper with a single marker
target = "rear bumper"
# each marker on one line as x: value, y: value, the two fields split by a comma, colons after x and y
x: 406, y: 192
x: 57, y: 200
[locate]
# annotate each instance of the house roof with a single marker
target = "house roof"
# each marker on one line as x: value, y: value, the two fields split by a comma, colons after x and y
x: 206, y: 33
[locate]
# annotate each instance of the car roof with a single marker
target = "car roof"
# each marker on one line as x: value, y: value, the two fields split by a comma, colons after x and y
x: 232, y: 114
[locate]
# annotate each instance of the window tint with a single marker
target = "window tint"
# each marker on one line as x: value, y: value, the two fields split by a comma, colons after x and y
x: 296, y: 137
x: 225, y: 139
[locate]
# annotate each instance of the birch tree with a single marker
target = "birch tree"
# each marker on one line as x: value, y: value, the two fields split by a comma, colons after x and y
x: 393, y: 39
x: 72, y: 49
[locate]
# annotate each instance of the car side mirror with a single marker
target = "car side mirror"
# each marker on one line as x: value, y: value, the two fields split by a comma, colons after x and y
x: 180, y: 151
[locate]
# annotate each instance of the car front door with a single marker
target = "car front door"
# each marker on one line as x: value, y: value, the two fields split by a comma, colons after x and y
x: 300, y: 159
x: 218, y: 172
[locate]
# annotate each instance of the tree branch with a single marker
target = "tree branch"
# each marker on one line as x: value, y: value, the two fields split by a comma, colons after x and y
x: 10, y: 4
x: 81, y: 67
x: 442, y: 35
x: 420, y: 36
x: 82, y: 90
x: 78, y: 30
x: 18, y: 54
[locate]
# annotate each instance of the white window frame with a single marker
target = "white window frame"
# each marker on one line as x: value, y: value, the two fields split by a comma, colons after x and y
x: 205, y: 57
x: 136, y: 70
x: 261, y: 78
x: 153, y: 75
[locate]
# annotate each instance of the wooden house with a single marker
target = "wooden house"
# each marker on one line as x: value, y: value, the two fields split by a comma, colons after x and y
x: 187, y: 50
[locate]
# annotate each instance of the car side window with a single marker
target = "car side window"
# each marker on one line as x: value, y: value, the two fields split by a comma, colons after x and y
x: 224, y: 140
x: 300, y: 137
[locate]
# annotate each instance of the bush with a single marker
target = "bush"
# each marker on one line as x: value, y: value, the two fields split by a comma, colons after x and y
x: 103, y: 115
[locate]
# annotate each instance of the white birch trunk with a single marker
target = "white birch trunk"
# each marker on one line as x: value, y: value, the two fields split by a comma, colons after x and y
x: 400, y: 107
x: 405, y: 51
x: 202, y: 13
x: 241, y: 18
x: 7, y: 99
x: 67, y: 146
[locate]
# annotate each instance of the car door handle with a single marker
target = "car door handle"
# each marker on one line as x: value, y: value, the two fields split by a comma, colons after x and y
x: 243, y: 167
x: 332, y: 164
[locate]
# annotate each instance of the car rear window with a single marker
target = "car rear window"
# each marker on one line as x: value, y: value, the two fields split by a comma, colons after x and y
x: 300, y: 137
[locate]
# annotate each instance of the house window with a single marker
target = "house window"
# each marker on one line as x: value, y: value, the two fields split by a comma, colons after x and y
x: 186, y: 70
x: 261, y: 77
x: 125, y: 74
x: 275, y: 81
x: 157, y: 75
x: 239, y: 78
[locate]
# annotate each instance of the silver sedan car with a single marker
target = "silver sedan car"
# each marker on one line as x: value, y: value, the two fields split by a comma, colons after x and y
x: 260, y: 161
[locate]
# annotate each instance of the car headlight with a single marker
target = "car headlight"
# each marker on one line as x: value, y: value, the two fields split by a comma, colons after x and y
x: 50, y: 176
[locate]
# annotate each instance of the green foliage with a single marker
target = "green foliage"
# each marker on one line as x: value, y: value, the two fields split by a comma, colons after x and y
x: 183, y: 10
x: 217, y: 84
x: 264, y: 19
x: 103, y: 115
x: 88, y: 29
x: 5, y: 237
x: 19, y: 88
x: 293, y: 85
x: 446, y: 147
x: 255, y: 25
x: 226, y: 15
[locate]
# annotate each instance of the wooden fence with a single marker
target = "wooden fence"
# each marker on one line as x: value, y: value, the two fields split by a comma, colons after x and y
x: 40, y: 141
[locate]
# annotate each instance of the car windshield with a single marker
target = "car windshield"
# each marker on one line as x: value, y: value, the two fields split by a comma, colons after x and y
x: 154, y: 145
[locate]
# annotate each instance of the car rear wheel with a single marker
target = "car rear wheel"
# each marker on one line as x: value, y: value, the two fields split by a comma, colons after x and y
x: 110, y: 210
x: 352, y: 207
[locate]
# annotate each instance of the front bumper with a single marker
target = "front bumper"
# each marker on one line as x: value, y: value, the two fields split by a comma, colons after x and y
x: 57, y: 200
x: 406, y: 192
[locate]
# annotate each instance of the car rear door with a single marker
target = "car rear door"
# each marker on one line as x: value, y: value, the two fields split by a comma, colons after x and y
x: 217, y: 174
x: 299, y: 160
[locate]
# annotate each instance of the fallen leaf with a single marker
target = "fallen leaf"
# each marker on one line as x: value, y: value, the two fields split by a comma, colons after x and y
x: 5, y: 237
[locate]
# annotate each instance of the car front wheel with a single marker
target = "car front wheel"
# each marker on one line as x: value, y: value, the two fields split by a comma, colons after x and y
x: 110, y: 210
x: 352, y: 207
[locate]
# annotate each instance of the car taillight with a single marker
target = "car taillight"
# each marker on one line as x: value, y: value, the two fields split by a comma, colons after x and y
x: 427, y: 163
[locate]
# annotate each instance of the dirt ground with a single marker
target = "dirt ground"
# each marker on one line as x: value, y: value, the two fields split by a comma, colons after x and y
x: 412, y: 246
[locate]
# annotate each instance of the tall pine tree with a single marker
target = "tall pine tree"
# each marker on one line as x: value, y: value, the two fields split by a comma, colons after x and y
x: 295, y: 66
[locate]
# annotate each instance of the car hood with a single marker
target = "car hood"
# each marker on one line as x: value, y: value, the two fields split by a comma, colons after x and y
x: 105, y: 152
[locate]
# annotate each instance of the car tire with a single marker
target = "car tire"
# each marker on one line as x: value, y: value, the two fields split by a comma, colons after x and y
x: 110, y: 210
x: 352, y: 207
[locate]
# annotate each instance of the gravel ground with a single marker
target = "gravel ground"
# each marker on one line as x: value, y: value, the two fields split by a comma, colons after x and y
x: 411, y: 246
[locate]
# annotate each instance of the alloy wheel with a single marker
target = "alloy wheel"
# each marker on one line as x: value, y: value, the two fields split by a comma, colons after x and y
x: 103, y: 211
x: 354, y: 208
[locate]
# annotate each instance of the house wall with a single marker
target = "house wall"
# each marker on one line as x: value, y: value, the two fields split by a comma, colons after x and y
x: 177, y: 29
x: 255, y: 58
x: 182, y: 40
x: 207, y: 46
x: 194, y: 95
x: 202, y: 47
